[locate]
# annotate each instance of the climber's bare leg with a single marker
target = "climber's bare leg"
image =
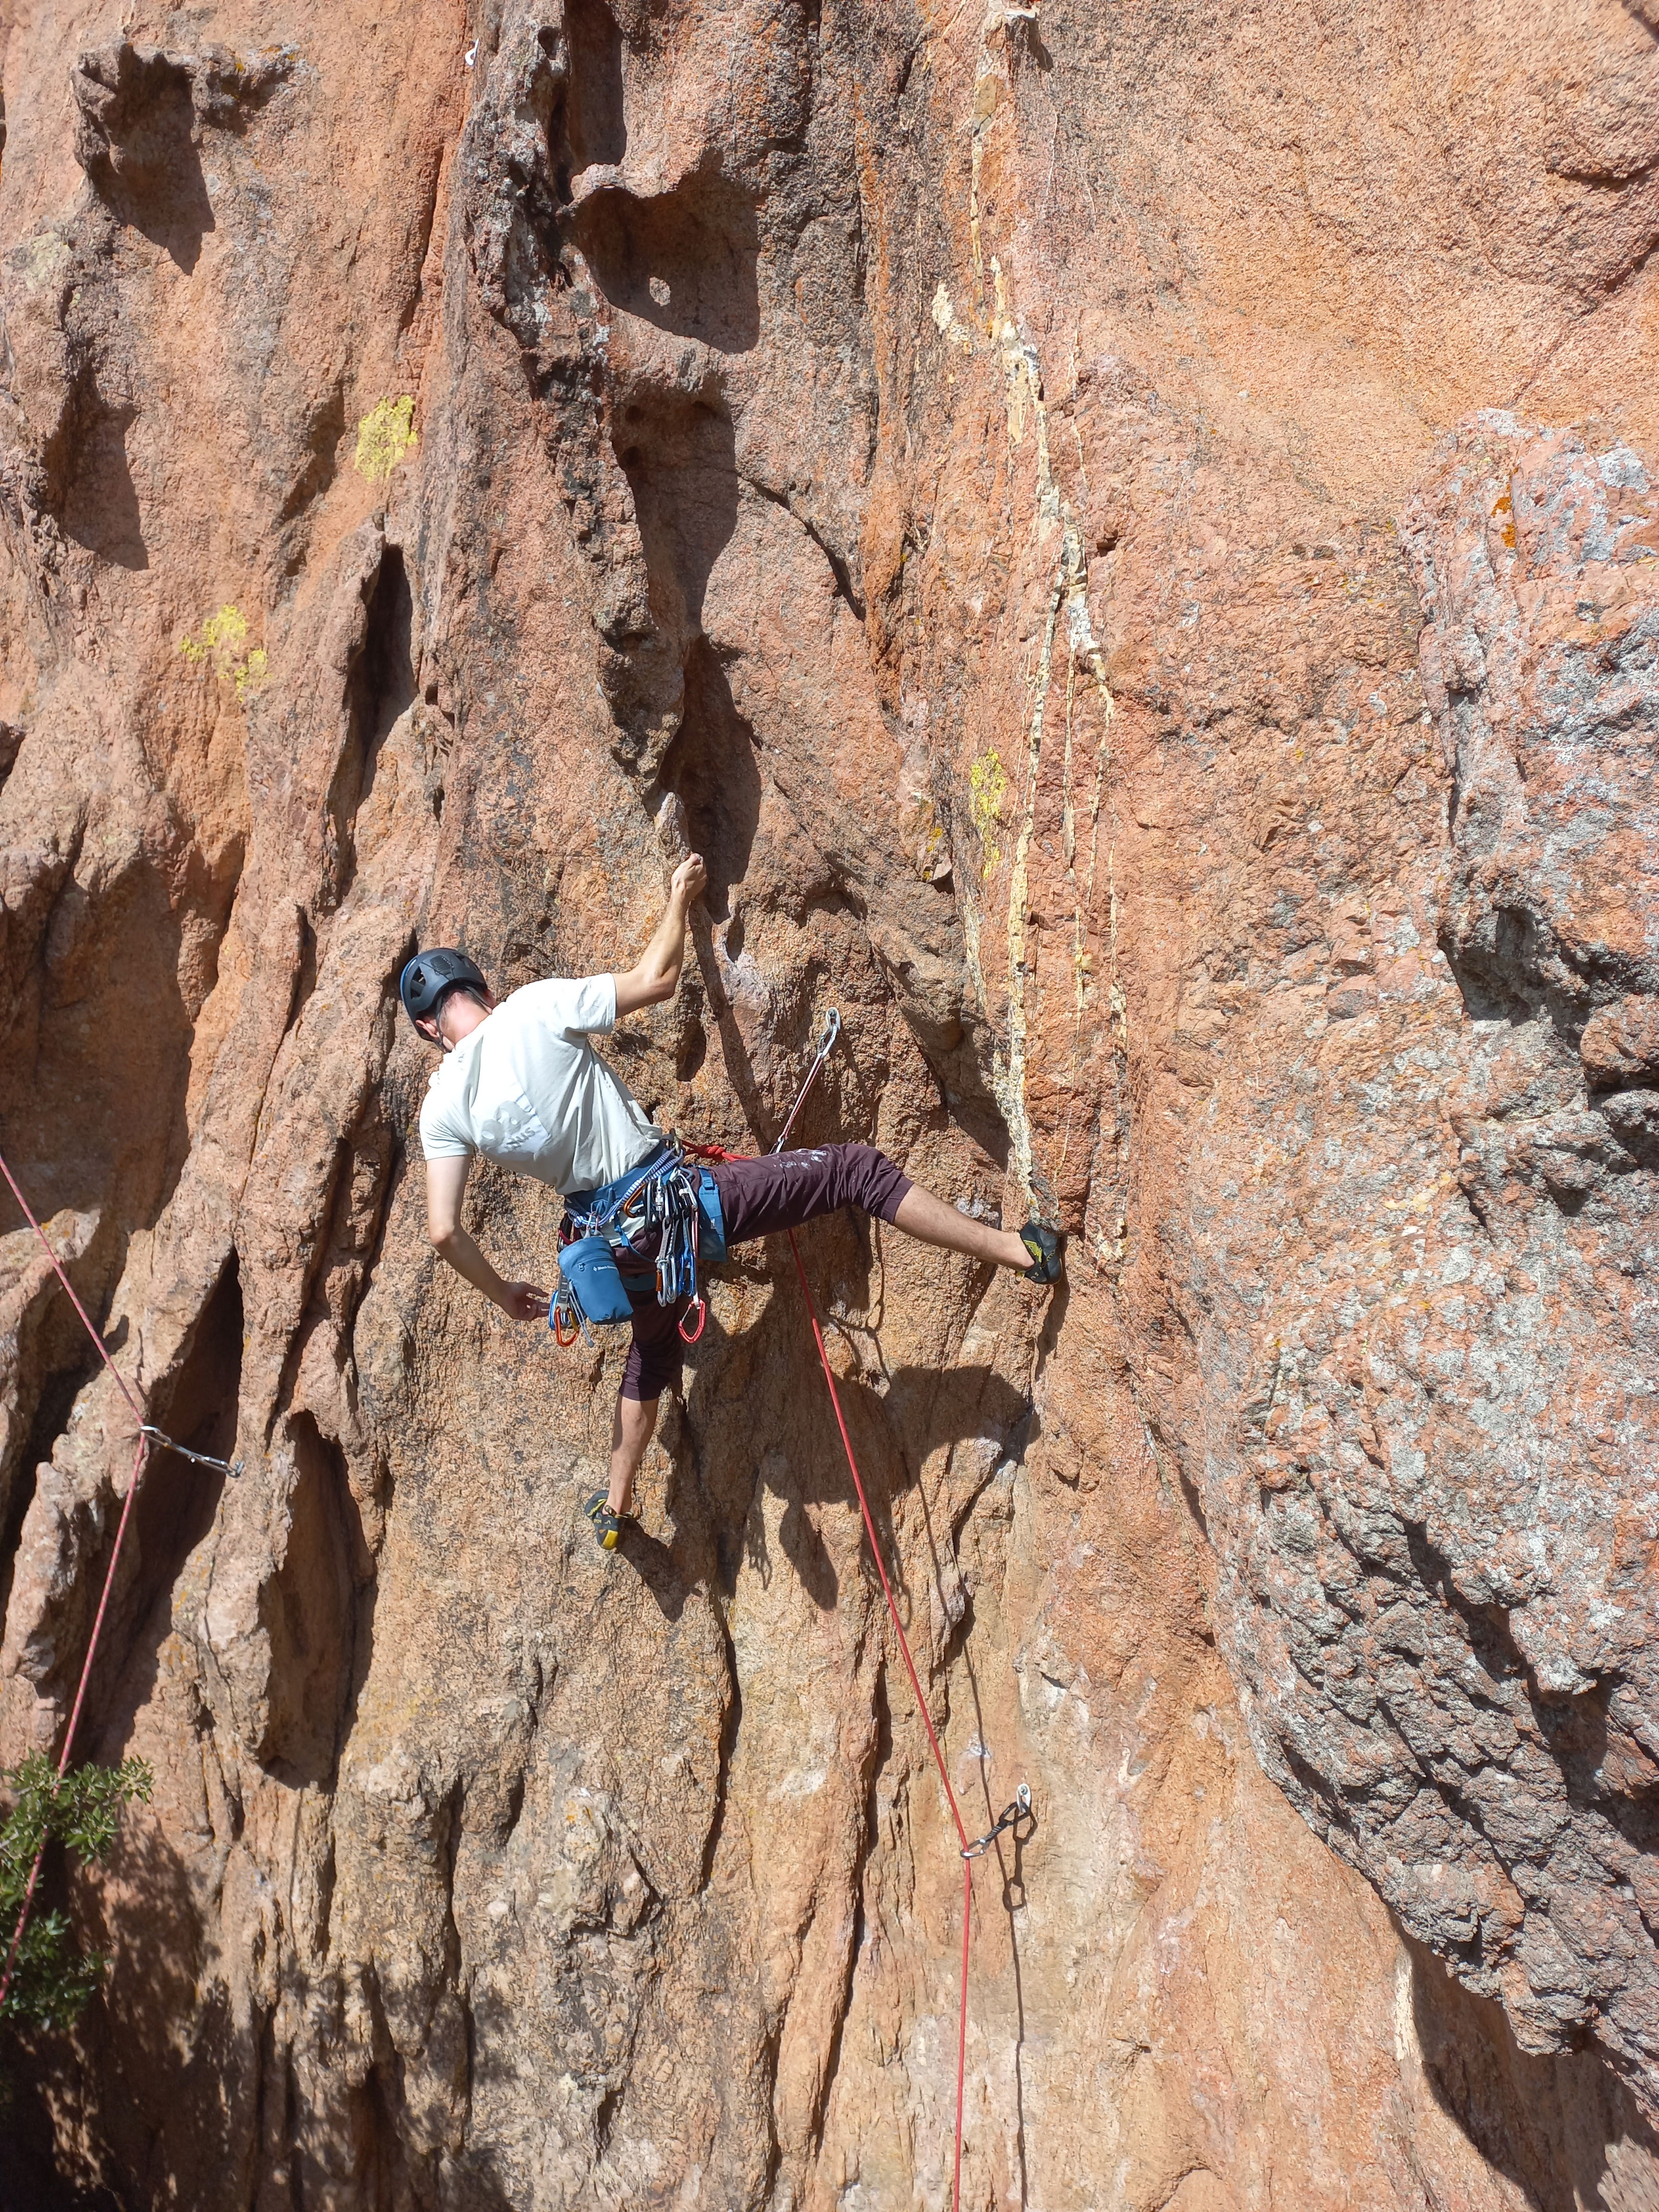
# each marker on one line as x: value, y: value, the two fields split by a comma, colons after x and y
x: 931, y: 1221
x: 632, y: 1428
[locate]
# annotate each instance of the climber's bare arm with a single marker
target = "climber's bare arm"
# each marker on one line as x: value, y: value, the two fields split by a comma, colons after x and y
x: 446, y: 1185
x: 656, y: 976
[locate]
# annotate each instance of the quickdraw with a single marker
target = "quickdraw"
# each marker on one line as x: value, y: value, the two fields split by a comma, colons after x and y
x: 1011, y: 1817
x: 666, y: 1209
x: 200, y: 1459
x: 827, y: 1044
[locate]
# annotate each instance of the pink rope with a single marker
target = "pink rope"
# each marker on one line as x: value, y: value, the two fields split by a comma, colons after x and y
x: 86, y: 1319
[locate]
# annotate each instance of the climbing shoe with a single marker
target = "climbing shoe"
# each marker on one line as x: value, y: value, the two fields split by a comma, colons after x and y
x: 607, y: 1525
x: 1047, y: 1259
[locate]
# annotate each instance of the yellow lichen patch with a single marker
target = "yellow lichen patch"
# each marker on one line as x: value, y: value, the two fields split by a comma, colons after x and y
x: 386, y: 436
x: 222, y: 643
x: 988, y: 787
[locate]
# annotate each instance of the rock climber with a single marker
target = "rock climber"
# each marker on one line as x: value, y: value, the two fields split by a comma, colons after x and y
x: 521, y: 1083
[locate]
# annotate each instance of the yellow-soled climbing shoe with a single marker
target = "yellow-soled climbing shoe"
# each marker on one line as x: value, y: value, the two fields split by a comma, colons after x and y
x: 607, y: 1525
x: 1048, y: 1256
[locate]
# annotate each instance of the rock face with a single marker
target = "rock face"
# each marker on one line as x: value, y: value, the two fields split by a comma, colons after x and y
x: 1125, y: 536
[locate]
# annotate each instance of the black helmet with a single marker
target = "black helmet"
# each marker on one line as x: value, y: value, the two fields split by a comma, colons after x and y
x: 430, y: 976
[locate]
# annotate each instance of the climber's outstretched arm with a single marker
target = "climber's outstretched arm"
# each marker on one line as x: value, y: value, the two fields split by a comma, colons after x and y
x: 657, y: 976
x: 446, y: 1184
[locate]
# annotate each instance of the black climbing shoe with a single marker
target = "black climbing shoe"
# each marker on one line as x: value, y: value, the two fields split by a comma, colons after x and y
x: 607, y: 1525
x: 1047, y: 1259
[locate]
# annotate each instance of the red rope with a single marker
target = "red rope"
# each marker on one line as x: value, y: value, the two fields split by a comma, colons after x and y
x: 718, y: 1153
x: 921, y: 1705
x: 139, y: 1458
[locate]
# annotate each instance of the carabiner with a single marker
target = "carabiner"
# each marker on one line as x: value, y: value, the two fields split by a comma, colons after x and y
x: 702, y: 1306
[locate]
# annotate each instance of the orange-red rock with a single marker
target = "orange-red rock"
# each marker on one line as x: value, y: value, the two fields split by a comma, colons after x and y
x: 1124, y: 535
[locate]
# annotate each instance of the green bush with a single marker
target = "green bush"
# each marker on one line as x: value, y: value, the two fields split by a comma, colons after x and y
x: 52, y: 1980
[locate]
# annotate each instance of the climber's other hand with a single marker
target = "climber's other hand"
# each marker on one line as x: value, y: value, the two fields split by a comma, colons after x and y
x: 690, y: 878
x: 523, y: 1302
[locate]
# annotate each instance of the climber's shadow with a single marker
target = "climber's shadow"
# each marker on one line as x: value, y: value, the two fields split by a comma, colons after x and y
x: 895, y: 1424
x: 895, y: 1431
x: 745, y: 1441
x: 657, y: 1568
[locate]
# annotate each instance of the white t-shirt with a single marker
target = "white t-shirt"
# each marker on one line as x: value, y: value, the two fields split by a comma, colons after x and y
x: 528, y: 1088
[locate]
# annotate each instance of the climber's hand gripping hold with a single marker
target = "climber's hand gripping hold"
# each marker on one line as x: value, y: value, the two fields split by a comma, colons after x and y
x: 656, y: 976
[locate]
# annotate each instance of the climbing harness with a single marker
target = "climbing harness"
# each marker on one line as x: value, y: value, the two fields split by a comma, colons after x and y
x: 148, y: 1435
x: 667, y: 1199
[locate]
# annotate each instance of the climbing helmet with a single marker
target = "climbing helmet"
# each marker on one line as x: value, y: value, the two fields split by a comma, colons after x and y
x: 430, y: 976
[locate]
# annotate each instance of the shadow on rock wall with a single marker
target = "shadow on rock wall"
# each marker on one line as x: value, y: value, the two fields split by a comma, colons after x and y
x: 137, y: 144
x: 1563, y: 2127
x: 683, y: 262
x: 146, y: 1916
x: 897, y: 1421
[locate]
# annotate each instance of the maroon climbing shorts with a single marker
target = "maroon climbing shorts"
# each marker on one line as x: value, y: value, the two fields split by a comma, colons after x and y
x: 782, y: 1191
